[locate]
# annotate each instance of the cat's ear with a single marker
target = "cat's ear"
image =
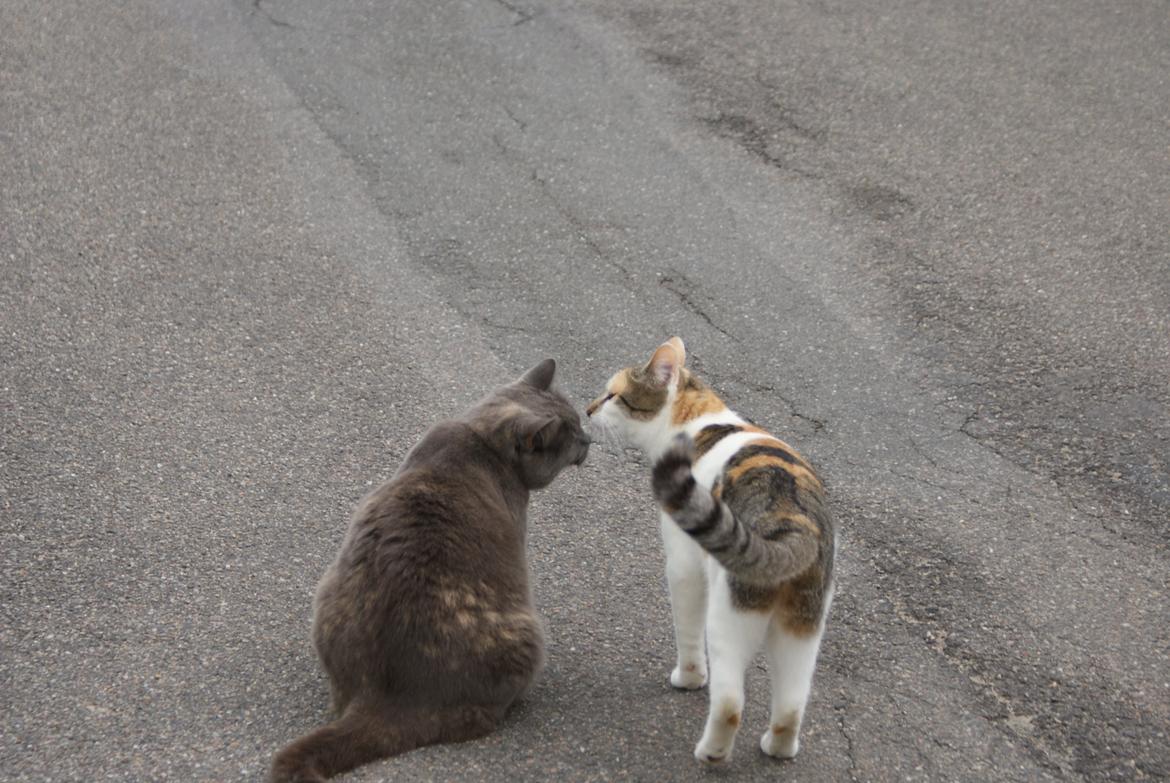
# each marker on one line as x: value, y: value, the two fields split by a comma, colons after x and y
x: 667, y: 361
x: 535, y: 432
x: 541, y: 375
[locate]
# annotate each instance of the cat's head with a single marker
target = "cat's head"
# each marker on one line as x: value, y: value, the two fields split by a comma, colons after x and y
x: 533, y: 426
x: 645, y: 405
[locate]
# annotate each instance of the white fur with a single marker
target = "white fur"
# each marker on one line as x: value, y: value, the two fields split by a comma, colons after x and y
x: 791, y: 662
x: 651, y: 437
x: 710, y: 465
x: 725, y: 416
x: 733, y: 639
x: 700, y: 600
x: 686, y: 575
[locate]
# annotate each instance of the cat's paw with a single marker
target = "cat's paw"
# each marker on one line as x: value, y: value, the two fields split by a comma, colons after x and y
x: 688, y: 678
x: 672, y: 479
x: 780, y: 742
x: 719, y: 735
x: 711, y: 754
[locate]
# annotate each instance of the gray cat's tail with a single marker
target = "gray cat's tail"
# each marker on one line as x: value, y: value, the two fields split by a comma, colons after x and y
x: 787, y: 552
x: 364, y: 734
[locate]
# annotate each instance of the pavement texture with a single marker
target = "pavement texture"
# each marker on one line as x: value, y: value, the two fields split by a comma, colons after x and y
x: 251, y: 251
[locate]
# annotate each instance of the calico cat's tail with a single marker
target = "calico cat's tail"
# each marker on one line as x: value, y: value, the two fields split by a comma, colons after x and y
x: 746, y: 554
x: 364, y: 734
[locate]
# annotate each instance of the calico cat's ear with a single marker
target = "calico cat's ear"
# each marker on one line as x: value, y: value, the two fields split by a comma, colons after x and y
x: 667, y: 360
x: 541, y: 375
x: 535, y: 432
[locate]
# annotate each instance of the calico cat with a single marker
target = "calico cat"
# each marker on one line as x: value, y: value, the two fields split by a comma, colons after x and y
x: 749, y: 543
x: 424, y: 622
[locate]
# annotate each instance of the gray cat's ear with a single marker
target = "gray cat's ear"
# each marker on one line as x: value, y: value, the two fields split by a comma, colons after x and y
x: 535, y: 432
x: 541, y: 375
x: 666, y: 361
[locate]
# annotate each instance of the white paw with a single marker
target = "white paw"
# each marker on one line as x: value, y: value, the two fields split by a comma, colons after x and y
x: 710, y: 754
x: 782, y: 745
x: 689, y: 677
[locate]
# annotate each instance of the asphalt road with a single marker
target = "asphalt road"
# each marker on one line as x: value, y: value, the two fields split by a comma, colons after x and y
x: 249, y: 252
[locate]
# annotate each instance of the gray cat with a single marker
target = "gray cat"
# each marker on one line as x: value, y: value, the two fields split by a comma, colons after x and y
x: 424, y: 622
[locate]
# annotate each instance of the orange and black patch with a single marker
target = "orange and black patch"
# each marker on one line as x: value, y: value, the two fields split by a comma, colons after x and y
x: 772, y: 440
x: 706, y: 438
x: 760, y: 480
x: 792, y: 521
x: 637, y: 394
x: 798, y: 604
x: 773, y: 446
x: 772, y: 488
x: 694, y: 399
x: 773, y: 455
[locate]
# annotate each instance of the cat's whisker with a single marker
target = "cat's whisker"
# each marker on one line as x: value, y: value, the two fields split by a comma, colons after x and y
x: 609, y: 438
x: 748, y: 536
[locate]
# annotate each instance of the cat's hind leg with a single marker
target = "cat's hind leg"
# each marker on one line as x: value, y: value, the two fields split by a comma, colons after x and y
x: 733, y: 639
x: 686, y: 574
x: 792, y: 658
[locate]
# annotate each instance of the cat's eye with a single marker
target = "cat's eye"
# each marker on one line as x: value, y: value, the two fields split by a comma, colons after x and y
x: 631, y: 406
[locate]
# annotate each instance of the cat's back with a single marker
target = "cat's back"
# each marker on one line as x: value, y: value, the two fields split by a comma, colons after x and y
x: 441, y: 523
x: 448, y: 488
x: 747, y: 465
x: 446, y: 445
x: 776, y: 491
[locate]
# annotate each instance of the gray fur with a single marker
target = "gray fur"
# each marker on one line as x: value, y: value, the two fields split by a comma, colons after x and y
x: 424, y: 622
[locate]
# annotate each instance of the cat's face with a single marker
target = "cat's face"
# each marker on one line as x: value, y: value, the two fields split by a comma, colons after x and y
x: 536, y: 426
x: 636, y: 405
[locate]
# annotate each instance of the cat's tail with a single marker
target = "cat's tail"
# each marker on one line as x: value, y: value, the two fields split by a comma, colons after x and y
x: 366, y: 733
x: 789, y: 551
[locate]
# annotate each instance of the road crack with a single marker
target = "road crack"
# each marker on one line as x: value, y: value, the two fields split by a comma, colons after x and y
x: 682, y: 287
x: 523, y: 15
x: 276, y: 21
x: 763, y: 388
x: 1008, y: 719
x: 1055, y: 482
x: 748, y: 134
x: 258, y: 7
x: 850, y: 753
x: 512, y: 116
x: 582, y: 229
x: 538, y: 332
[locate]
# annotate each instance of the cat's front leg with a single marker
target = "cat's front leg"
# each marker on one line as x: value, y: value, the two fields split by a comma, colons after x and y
x: 687, y: 576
